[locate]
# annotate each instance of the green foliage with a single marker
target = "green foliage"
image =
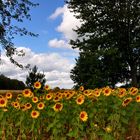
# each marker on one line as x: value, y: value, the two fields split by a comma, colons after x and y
x: 9, y: 84
x: 110, y: 36
x: 10, y: 11
x: 110, y: 117
x: 34, y: 76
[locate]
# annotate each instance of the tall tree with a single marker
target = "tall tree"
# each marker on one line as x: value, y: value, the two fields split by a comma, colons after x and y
x: 34, y: 76
x: 17, y: 11
x: 110, y: 28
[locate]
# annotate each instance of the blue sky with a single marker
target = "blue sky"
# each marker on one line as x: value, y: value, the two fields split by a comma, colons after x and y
x: 42, y: 25
x: 51, y: 51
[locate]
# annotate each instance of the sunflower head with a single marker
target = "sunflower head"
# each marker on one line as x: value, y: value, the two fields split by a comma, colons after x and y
x: 35, y: 114
x: 56, y: 99
x: 3, y: 102
x: 133, y: 91
x: 87, y: 92
x: 80, y: 99
x: 97, y: 92
x: 16, y: 105
x: 58, y: 107
x: 83, y: 116
x: 49, y: 96
x: 40, y: 105
x: 138, y: 98
x: 26, y: 92
x: 8, y: 95
x: 122, y: 92
x: 107, y: 91
x: 35, y: 99
x: 81, y: 88
x: 37, y: 85
x: 126, y: 101
x: 28, y: 105
x: 47, y: 87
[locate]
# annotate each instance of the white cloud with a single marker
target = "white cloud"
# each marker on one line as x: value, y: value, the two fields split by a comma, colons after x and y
x: 57, y: 12
x: 55, y: 43
x: 55, y: 67
x: 69, y: 22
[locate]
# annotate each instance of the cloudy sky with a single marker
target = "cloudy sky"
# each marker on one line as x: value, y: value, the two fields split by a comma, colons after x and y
x: 50, y: 52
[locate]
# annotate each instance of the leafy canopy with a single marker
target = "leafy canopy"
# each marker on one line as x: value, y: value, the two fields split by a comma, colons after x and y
x: 110, y: 29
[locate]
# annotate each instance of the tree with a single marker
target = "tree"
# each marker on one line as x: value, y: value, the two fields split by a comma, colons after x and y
x: 10, y: 84
x: 34, y: 76
x: 13, y: 10
x: 112, y: 30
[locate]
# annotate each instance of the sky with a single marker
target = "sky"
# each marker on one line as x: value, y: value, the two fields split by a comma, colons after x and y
x: 50, y: 51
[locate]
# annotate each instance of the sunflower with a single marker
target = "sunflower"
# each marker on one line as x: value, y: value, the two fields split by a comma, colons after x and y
x: 133, y: 91
x: 41, y: 97
x: 28, y: 105
x: 8, y: 95
x: 19, y: 96
x: 72, y: 93
x: 58, y: 107
x: 3, y: 102
x: 80, y: 100
x: 49, y: 96
x: 56, y: 99
x: 68, y: 96
x: 16, y: 105
x: 81, y: 88
x: 35, y: 114
x: 46, y: 87
x: 40, y: 105
x: 23, y: 107
x: 122, y: 92
x: 31, y: 94
x: 83, y: 116
x: 107, y: 91
x: 37, y: 85
x: 35, y: 99
x: 97, y: 92
x: 126, y: 101
x: 138, y: 98
x: 26, y: 92
x: 87, y: 92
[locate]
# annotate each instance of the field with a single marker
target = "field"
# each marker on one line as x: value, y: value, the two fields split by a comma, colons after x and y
x: 92, y: 114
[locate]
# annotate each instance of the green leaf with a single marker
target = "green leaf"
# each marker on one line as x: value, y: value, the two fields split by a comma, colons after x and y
x: 23, y: 136
x: 73, y: 133
x: 1, y: 115
x: 107, y: 137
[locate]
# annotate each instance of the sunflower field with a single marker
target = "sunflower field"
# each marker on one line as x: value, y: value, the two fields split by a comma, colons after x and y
x: 92, y: 114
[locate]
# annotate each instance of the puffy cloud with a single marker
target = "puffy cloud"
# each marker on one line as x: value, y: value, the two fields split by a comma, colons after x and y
x: 55, y: 67
x: 69, y: 22
x: 55, y: 43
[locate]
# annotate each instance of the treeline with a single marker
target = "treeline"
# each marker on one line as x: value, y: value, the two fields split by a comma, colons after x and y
x: 10, y: 84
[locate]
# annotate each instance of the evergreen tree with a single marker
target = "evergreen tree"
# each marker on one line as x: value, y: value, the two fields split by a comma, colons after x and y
x: 34, y: 76
x: 110, y: 29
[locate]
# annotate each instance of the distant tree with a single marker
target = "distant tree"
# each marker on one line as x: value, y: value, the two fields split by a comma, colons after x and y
x: 17, y: 11
x: 10, y: 84
x: 34, y: 76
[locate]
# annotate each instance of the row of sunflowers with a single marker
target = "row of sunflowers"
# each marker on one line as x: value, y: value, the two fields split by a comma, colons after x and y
x: 91, y: 114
